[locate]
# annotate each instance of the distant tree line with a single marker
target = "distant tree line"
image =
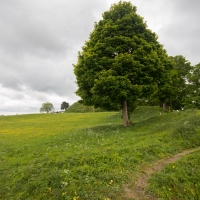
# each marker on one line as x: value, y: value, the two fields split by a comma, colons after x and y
x: 48, y: 107
x: 181, y: 90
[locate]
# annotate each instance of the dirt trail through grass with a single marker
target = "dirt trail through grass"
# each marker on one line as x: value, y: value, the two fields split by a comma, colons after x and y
x: 138, y: 192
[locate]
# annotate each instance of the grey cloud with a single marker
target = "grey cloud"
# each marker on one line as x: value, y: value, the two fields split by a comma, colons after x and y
x: 40, y: 75
x: 181, y: 34
x: 39, y: 41
x: 45, y: 26
x: 176, y: 23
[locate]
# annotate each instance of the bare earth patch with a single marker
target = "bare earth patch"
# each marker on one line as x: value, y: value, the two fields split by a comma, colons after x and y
x: 138, y: 192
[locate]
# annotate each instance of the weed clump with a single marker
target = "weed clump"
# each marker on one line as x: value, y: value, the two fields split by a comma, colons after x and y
x: 188, y: 130
x: 185, y: 131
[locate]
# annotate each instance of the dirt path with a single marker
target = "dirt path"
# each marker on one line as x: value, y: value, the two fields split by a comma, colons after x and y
x: 138, y: 192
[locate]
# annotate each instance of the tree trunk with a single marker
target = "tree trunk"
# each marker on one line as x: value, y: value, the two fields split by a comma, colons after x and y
x: 164, y: 106
x: 125, y: 114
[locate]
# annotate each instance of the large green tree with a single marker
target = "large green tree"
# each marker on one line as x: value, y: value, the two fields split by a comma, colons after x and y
x: 121, y: 61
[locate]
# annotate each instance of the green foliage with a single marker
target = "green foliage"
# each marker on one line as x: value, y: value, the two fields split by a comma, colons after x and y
x: 183, y: 68
x: 167, y: 90
x: 64, y: 105
x: 84, y: 155
x: 121, y: 61
x: 47, y: 107
x: 192, y: 99
x: 173, y: 87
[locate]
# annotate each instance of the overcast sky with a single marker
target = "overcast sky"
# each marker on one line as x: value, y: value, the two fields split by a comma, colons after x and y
x: 40, y: 40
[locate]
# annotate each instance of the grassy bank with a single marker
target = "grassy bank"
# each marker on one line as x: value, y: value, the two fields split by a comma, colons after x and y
x: 87, y: 155
x: 179, y: 180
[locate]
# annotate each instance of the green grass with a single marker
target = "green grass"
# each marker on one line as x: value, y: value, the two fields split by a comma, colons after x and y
x: 85, y: 155
x: 179, y: 180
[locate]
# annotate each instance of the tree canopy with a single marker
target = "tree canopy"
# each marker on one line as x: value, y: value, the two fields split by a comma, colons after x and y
x: 192, y: 97
x: 183, y: 68
x: 47, y: 107
x: 173, y: 87
x: 121, y: 61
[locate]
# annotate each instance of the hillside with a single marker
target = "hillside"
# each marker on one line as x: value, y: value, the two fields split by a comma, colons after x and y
x: 92, y: 156
x: 80, y: 108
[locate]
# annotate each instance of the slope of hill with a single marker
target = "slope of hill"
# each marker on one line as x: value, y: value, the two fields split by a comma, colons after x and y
x: 92, y: 156
x: 80, y: 108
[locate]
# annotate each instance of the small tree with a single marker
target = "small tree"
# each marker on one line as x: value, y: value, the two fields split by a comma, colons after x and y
x: 192, y: 99
x: 64, y: 105
x: 121, y: 61
x: 47, y: 107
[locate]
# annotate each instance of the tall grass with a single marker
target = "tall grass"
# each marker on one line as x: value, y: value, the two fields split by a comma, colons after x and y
x: 83, y: 156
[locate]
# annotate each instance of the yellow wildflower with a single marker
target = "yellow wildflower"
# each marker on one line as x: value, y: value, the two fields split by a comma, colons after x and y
x: 111, y: 181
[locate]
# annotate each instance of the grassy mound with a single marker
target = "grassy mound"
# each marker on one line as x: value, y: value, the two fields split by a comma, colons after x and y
x: 80, y: 108
x: 84, y: 155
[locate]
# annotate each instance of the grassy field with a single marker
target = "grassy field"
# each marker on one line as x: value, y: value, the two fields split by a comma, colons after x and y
x: 92, y: 156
